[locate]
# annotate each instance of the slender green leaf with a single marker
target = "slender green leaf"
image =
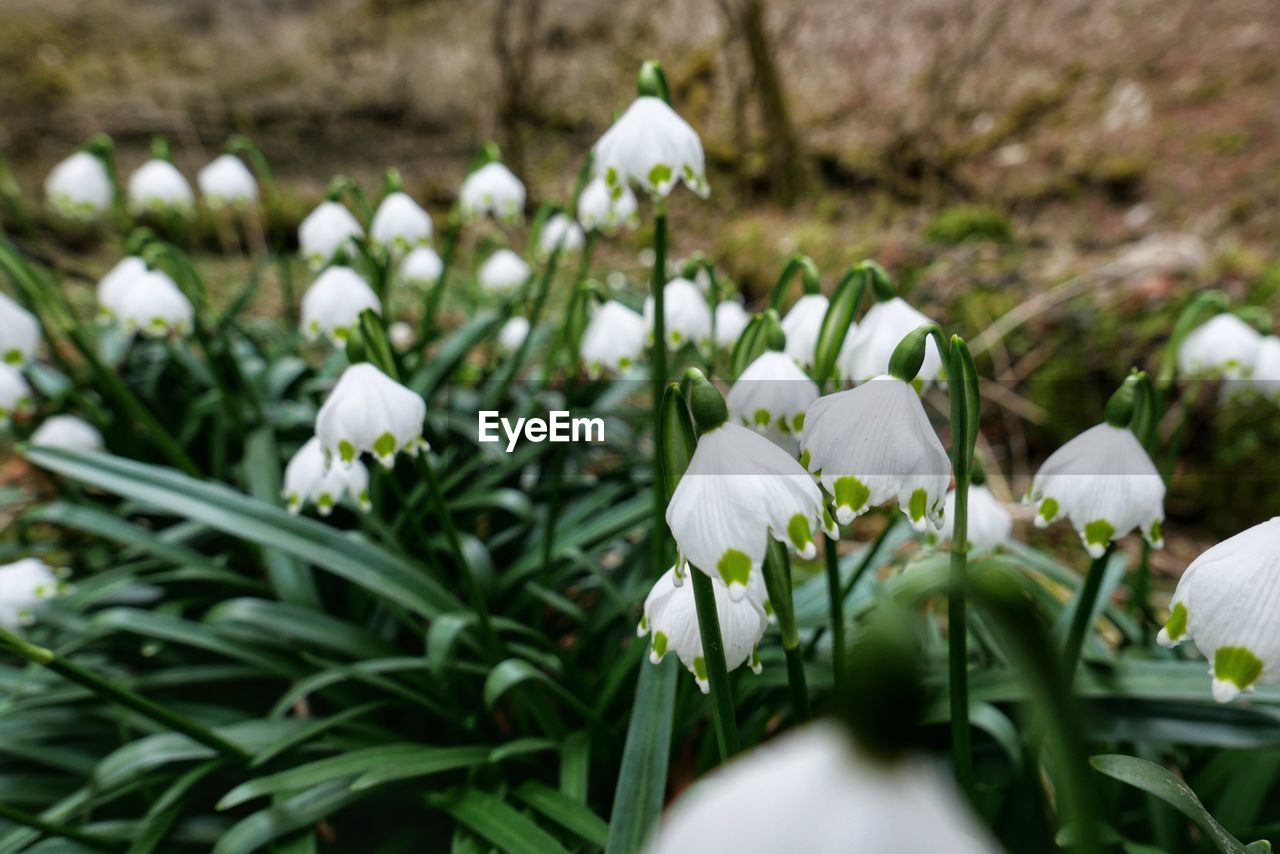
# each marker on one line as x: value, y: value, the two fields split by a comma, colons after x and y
x: 494, y: 819
x: 564, y: 811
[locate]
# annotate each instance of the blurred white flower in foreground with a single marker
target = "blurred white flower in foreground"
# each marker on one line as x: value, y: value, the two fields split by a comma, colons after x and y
x: 492, y: 190
x: 15, y: 393
x: 671, y: 618
x: 1226, y: 603
x: 331, y: 306
x: 731, y: 319
x: 503, y: 272
x: 739, y: 490
x: 1225, y: 347
x: 158, y: 187
x: 871, y: 343
x: 688, y: 316
x: 79, y: 188
x: 153, y: 306
x: 19, y: 332
x: 560, y: 229
x: 771, y: 397
x: 601, y: 209
x: 23, y: 586
x: 116, y: 282
x: 873, y: 443
x: 400, y: 224
x: 990, y: 524
x: 613, y: 340
x: 812, y: 791
x: 367, y: 411
x: 1104, y: 482
x: 512, y: 334
x: 68, y: 433
x: 802, y: 325
x: 325, y: 232
x: 309, y: 476
x: 227, y: 182
x: 652, y: 147
x: 421, y: 268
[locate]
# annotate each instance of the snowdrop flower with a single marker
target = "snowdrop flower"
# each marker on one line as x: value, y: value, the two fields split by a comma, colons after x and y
x: 1104, y: 482
x: 802, y: 325
x: 1226, y: 603
x: 421, y: 268
x: 688, y: 316
x: 512, y: 334
x: 15, y: 393
x: 562, y: 231
x: 771, y: 397
x: 331, y: 306
x: 731, y: 319
x: 158, y: 187
x: 739, y: 490
x: 613, y: 340
x: 79, y: 188
x: 872, y: 443
x: 153, y: 306
x: 19, y: 332
x: 503, y: 272
x: 990, y: 524
x: 400, y: 224
x: 227, y: 182
x: 871, y: 343
x: 600, y: 209
x: 369, y: 411
x: 310, y: 477
x: 69, y: 433
x: 1224, y: 347
x: 401, y: 336
x: 492, y: 190
x: 117, y: 281
x: 325, y: 232
x: 671, y: 617
x: 23, y: 586
x: 813, y: 790
x: 652, y: 147
x: 1266, y: 368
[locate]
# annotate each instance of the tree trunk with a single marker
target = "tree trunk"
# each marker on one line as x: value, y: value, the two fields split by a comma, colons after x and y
x: 786, y: 169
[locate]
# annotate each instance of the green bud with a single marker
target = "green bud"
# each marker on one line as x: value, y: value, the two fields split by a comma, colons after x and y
x: 1120, y: 407
x: 978, y: 473
x: 881, y: 282
x: 909, y: 354
x: 488, y: 153
x: 101, y: 146
x: 835, y: 324
x: 705, y: 401
x: 137, y: 241
x: 774, y: 338
x: 392, y: 182
x: 160, y: 148
x: 652, y: 81
x: 677, y: 439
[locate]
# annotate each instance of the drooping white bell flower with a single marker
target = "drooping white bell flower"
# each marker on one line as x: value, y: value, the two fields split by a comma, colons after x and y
x: 802, y: 325
x: 989, y: 523
x: 153, y: 306
x: 492, y: 190
x: 158, y: 187
x: 19, y: 332
x: 731, y: 320
x: 227, y: 182
x: 401, y: 336
x: 400, y: 224
x: 871, y: 343
x: 367, y: 411
x: 602, y: 209
x: 688, y: 316
x: 15, y: 393
x: 771, y: 397
x: 1224, y: 347
x: 23, y: 586
x: 325, y: 232
x: 813, y: 790
x: 671, y: 618
x: 560, y: 230
x: 513, y: 333
x: 79, y: 188
x: 309, y: 477
x: 331, y: 306
x: 1106, y: 484
x: 741, y: 489
x: 1226, y: 604
x: 613, y: 340
x: 652, y: 147
x: 116, y: 282
x: 67, y: 432
x: 874, y: 443
x: 1265, y: 374
x: 503, y: 272
x: 421, y: 268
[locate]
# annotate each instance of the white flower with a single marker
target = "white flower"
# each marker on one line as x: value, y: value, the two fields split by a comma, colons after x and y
x: 67, y: 432
x: 812, y: 791
x: 989, y: 523
x: 369, y: 411
x: 771, y: 397
x: 731, y: 319
x: 1226, y: 603
x: 802, y: 325
x: 117, y: 281
x: 401, y: 335
x: 400, y: 224
x: 227, y: 182
x: 158, y: 187
x: 872, y: 443
x: 512, y: 334
x: 331, y: 306
x: 599, y: 209
x: 1224, y: 347
x: 739, y: 490
x: 153, y: 306
x: 1266, y: 368
x: 309, y: 476
x: 562, y: 231
x: 871, y: 343
x: 325, y: 232
x: 671, y: 617
x: 688, y: 317
x: 15, y: 393
x: 613, y: 340
x: 503, y: 272
x: 492, y: 190
x: 23, y: 586
x: 652, y: 147
x: 421, y: 268
x: 19, y: 332
x: 1104, y: 482
x: 79, y: 187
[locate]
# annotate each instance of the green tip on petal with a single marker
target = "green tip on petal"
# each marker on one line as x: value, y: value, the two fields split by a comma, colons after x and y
x: 347, y: 451
x: 1098, y: 534
x: 798, y: 532
x: 1177, y: 625
x: 851, y: 497
x: 1048, y: 510
x: 762, y: 418
x: 734, y: 568
x: 659, y: 645
x: 700, y: 669
x: 1235, y: 665
x: 384, y: 446
x: 918, y: 505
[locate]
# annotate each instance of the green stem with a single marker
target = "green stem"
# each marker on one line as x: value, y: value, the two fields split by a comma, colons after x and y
x: 723, y: 718
x: 777, y: 581
x: 836, y: 603
x: 958, y: 636
x: 431, y: 301
x: 658, y: 369
x: 48, y: 828
x: 1082, y: 617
